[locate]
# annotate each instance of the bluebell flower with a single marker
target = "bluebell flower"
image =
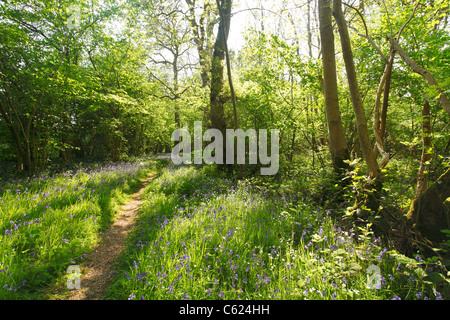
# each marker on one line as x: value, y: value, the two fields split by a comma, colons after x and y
x: 320, y: 231
x: 438, y: 294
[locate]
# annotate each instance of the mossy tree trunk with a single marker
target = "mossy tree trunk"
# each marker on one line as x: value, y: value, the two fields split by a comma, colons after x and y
x: 216, y: 112
x: 430, y: 212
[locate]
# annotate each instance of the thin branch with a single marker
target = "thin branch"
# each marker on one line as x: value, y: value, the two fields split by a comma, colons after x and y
x: 367, y: 36
x: 173, y: 98
x: 423, y: 72
x: 388, y: 18
x: 166, y: 62
x: 408, y: 21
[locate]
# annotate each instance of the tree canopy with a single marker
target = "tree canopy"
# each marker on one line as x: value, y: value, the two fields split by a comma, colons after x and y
x: 360, y: 88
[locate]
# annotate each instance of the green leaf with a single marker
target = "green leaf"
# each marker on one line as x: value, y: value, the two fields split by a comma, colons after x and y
x: 434, y: 278
x: 355, y: 266
x: 316, y: 238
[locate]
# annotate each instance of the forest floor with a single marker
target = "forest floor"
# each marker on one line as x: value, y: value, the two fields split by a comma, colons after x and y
x: 97, y: 271
x: 156, y: 231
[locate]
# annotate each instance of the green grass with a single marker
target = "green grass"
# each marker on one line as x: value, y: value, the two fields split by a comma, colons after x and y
x: 202, y: 236
x: 50, y: 222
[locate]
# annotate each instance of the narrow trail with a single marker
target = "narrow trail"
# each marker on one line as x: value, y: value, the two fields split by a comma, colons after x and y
x: 96, y: 273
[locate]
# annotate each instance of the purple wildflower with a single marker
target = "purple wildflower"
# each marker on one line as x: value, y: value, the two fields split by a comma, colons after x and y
x: 438, y: 294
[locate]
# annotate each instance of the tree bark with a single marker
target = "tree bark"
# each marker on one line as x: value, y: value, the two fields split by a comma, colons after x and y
x: 18, y: 129
x: 228, y: 62
x: 202, y: 32
x: 426, y: 156
x: 380, y: 116
x: 338, y: 145
x: 175, y: 89
x: 361, y: 122
x: 308, y: 28
x: 216, y: 113
x: 430, y: 212
x: 423, y: 72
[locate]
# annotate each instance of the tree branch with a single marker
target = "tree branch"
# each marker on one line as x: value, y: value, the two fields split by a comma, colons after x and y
x: 423, y: 72
x: 367, y: 36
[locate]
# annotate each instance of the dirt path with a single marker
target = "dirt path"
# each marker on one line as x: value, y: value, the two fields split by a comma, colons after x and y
x: 96, y: 273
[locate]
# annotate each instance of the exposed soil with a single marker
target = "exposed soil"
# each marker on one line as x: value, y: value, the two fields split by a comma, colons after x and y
x: 97, y: 271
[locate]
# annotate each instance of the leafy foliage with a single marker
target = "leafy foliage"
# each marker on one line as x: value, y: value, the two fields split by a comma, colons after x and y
x: 97, y: 81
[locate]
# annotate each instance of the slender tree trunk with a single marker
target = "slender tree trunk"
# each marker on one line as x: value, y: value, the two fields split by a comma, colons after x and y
x: 387, y: 89
x: 361, y: 122
x: 380, y: 116
x: 338, y: 145
x: 228, y: 62
x: 19, y: 131
x: 291, y: 154
x: 175, y: 90
x: 426, y: 156
x: 216, y: 113
x: 308, y: 28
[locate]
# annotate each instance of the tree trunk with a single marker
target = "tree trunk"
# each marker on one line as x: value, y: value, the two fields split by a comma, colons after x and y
x: 217, y: 114
x: 338, y: 145
x: 202, y: 32
x: 380, y: 116
x: 430, y: 212
x: 308, y: 28
x: 19, y: 131
x: 228, y: 62
x: 175, y: 90
x: 426, y: 156
x: 361, y: 122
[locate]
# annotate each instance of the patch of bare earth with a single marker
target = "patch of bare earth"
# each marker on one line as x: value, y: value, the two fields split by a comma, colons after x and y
x: 97, y: 275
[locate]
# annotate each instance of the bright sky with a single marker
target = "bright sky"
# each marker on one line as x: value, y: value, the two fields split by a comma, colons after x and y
x: 242, y: 18
x: 238, y: 25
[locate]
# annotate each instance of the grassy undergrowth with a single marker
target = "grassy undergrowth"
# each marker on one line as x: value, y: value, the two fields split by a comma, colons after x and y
x: 203, y: 236
x: 50, y: 222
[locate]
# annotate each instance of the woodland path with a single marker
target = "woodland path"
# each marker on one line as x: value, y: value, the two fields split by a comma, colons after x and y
x: 96, y: 273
